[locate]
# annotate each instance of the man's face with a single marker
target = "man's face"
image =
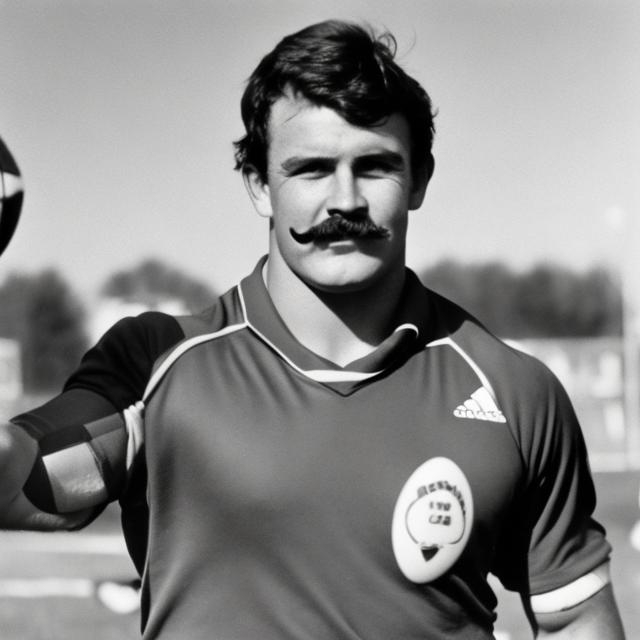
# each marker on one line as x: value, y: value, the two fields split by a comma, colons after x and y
x: 322, y: 168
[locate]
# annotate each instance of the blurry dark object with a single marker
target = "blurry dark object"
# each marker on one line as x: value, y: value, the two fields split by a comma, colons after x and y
x: 11, y: 196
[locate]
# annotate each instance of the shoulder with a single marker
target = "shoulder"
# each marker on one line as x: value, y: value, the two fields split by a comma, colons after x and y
x: 121, y: 362
x: 501, y: 359
x: 526, y: 390
x: 118, y: 365
x: 140, y: 339
x: 152, y: 329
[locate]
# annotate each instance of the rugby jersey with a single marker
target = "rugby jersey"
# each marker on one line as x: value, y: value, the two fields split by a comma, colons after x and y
x: 269, y: 493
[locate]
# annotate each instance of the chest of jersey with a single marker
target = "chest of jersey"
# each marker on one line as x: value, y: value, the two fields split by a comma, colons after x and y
x: 269, y: 473
x: 255, y: 432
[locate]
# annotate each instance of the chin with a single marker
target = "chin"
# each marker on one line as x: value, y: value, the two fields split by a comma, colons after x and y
x: 341, y: 271
x: 340, y: 287
x: 345, y: 280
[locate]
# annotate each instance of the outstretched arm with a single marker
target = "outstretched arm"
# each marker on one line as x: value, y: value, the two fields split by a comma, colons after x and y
x: 60, y: 464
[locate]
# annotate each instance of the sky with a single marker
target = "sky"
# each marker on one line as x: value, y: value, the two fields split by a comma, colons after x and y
x: 122, y: 113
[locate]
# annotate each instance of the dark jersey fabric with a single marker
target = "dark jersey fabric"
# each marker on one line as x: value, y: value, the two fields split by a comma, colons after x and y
x: 259, y: 500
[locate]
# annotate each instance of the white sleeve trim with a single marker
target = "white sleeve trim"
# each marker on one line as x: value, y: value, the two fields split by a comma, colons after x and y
x: 573, y: 593
x: 134, y: 422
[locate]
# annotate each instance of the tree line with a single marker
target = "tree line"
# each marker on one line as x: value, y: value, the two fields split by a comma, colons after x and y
x: 43, y: 312
x: 545, y: 301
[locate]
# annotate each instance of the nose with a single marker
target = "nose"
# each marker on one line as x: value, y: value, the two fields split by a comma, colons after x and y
x: 346, y: 197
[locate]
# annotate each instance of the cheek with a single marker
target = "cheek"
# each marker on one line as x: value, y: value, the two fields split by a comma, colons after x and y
x: 389, y: 205
x: 288, y: 212
x: 296, y: 205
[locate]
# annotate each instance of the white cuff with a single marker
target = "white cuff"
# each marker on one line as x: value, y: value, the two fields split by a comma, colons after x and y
x: 573, y: 593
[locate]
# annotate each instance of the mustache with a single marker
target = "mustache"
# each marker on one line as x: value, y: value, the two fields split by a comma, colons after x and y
x: 338, y: 228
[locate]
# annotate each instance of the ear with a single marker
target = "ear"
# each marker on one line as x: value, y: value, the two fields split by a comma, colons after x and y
x: 258, y: 191
x: 421, y: 177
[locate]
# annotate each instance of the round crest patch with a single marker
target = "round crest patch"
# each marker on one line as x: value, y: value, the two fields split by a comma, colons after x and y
x: 432, y: 520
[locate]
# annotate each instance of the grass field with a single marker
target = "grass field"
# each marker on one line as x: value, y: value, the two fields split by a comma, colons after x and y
x: 66, y: 608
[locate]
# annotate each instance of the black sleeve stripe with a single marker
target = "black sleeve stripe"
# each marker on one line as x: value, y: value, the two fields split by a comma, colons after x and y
x: 38, y: 489
x: 107, y: 448
x: 63, y: 439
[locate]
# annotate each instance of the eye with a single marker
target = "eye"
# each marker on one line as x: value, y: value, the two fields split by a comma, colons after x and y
x: 377, y: 167
x: 312, y: 169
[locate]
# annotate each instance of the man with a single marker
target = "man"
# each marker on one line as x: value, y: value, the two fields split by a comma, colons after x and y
x: 331, y: 451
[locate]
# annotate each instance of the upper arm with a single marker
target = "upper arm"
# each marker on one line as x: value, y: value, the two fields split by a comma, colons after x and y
x: 595, y: 617
x: 556, y: 539
x: 559, y: 555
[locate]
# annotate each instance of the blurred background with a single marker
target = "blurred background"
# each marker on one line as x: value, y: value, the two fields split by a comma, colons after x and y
x: 122, y: 115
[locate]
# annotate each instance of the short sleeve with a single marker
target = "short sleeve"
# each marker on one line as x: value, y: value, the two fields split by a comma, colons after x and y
x: 82, y: 432
x: 555, y: 539
x: 119, y: 366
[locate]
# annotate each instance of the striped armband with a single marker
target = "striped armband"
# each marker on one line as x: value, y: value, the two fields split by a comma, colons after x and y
x: 78, y: 466
x: 573, y: 593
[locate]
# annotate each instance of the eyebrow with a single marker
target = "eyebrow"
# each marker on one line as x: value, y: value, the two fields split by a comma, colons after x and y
x: 392, y: 158
x: 295, y: 162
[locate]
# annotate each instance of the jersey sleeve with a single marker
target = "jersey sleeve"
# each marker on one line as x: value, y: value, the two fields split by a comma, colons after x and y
x: 82, y: 433
x: 554, y: 539
x: 119, y: 366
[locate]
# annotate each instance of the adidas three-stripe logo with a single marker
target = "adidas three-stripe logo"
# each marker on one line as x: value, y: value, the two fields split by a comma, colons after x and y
x: 480, y: 406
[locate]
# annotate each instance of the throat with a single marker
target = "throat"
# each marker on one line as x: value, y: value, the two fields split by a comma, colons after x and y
x: 335, y: 338
x: 339, y: 327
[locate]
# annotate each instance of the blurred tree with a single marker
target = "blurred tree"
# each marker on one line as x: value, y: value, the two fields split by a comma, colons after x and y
x: 153, y: 281
x: 545, y: 301
x: 553, y: 301
x: 44, y: 315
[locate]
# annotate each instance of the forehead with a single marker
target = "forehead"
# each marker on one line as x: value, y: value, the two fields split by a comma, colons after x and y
x: 299, y: 127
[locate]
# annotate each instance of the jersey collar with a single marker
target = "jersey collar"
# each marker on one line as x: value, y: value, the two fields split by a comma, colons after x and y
x: 410, y: 335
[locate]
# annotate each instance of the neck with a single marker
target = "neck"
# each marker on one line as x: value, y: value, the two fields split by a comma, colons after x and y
x: 344, y: 326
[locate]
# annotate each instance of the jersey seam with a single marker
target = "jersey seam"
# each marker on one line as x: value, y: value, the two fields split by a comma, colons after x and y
x: 482, y: 376
x: 475, y: 367
x: 181, y: 349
